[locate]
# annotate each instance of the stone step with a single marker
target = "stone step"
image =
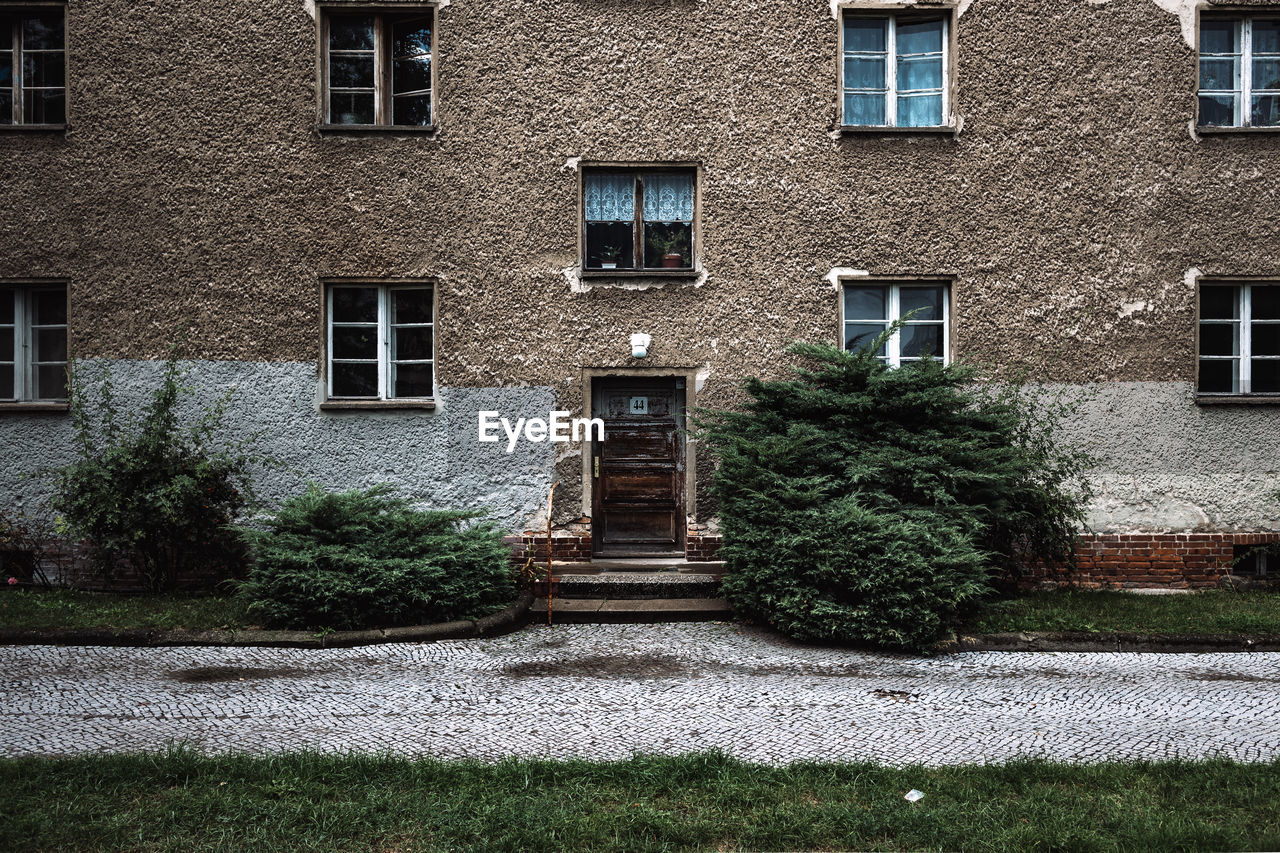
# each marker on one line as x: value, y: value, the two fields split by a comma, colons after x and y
x: 643, y: 565
x: 581, y: 611
x: 633, y: 585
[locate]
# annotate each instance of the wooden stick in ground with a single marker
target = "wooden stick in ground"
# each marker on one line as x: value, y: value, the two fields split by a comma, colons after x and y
x: 550, y: 498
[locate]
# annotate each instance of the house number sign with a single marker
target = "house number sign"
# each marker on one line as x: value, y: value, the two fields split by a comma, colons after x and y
x: 639, y: 405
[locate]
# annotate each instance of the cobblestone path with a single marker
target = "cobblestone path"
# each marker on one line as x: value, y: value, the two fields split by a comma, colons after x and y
x: 606, y: 691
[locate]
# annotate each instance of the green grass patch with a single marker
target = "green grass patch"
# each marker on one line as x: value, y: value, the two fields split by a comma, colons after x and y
x: 1207, y: 612
x: 182, y: 801
x: 65, y: 608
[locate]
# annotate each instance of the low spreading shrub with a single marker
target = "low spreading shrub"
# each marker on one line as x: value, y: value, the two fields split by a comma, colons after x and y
x: 874, y: 505
x: 364, y: 559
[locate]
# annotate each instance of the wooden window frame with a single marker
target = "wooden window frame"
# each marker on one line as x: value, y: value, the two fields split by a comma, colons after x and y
x: 385, y: 356
x: 893, y: 354
x: 385, y: 17
x: 893, y: 15
x: 638, y: 170
x: 1243, y: 353
x: 16, y: 49
x: 21, y: 361
x: 1242, y: 119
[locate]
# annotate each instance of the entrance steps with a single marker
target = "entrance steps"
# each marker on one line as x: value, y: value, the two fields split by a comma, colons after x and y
x: 633, y: 591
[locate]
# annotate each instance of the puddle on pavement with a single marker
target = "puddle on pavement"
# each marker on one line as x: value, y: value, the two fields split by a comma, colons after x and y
x: 213, y: 674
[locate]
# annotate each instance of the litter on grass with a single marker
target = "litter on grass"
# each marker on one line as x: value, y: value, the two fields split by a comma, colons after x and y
x: 913, y: 795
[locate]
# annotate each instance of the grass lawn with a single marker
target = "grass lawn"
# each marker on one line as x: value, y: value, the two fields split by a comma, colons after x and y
x: 64, y: 608
x: 181, y: 801
x: 1208, y: 612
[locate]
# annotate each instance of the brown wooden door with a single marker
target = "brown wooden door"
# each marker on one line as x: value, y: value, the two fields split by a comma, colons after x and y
x: 638, y: 470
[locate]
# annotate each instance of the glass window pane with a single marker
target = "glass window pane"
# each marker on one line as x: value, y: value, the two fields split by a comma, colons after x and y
x: 355, y: 305
x: 411, y: 305
x: 1219, y: 339
x: 668, y: 198
x: 609, y: 198
x: 412, y: 380
x: 860, y: 109
x: 1219, y: 74
x: 1217, y: 110
x: 1265, y: 377
x: 51, y: 382
x: 351, y: 32
x: 51, y: 345
x: 42, y: 70
x: 1264, y: 338
x: 411, y: 110
x: 50, y: 307
x: 1218, y: 37
x: 668, y: 245
x: 926, y: 300
x: 610, y: 246
x: 6, y: 66
x: 43, y: 32
x: 6, y: 108
x: 412, y: 343
x: 866, y: 34
x: 6, y: 310
x: 6, y: 382
x: 1218, y: 377
x: 920, y: 111
x: 1266, y: 302
x: 860, y: 335
x: 351, y: 72
x: 355, y: 380
x: 866, y: 303
x: 1266, y: 74
x: 6, y: 345
x: 918, y: 341
x: 412, y: 75
x: 1266, y: 36
x: 412, y: 38
x: 355, y: 342
x: 1266, y: 111
x: 864, y: 72
x: 919, y: 74
x: 920, y: 37
x: 1219, y: 302
x: 44, y: 106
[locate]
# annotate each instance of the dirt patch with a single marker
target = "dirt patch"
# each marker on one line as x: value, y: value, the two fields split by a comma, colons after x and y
x: 212, y: 674
x: 600, y: 666
x: 838, y: 671
x: 1229, y: 676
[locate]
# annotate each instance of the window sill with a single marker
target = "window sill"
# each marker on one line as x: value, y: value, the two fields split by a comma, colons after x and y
x: 1222, y: 130
x: 886, y: 130
x: 33, y: 128
x: 375, y: 405
x: 375, y: 129
x: 1238, y: 399
x: 34, y: 407
x: 630, y: 274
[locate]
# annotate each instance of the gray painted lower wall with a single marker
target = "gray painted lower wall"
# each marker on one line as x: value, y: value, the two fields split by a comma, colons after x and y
x: 431, y: 455
x: 1164, y: 462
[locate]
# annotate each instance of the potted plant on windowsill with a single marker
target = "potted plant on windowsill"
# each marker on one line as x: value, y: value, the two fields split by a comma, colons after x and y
x: 672, y: 247
x: 609, y: 257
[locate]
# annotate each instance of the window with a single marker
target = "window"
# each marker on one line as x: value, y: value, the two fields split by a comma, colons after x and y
x: 380, y: 341
x: 1239, y: 339
x: 33, y: 342
x: 870, y: 308
x: 1257, y: 561
x: 639, y: 219
x: 33, y: 67
x: 1240, y: 71
x: 895, y: 70
x: 377, y: 68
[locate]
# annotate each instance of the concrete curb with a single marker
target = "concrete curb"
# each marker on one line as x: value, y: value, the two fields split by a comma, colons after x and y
x: 1080, y: 641
x: 513, y: 616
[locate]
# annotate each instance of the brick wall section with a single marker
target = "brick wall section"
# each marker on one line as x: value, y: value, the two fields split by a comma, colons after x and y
x: 574, y: 548
x: 1138, y: 560
x: 702, y: 549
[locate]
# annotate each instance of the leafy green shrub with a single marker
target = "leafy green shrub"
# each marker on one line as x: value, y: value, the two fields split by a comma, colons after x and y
x: 147, y: 492
x: 364, y: 559
x: 870, y: 505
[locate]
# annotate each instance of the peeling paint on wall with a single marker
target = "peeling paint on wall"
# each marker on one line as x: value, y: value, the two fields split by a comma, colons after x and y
x: 837, y: 273
x: 837, y: 5
x: 1186, y: 12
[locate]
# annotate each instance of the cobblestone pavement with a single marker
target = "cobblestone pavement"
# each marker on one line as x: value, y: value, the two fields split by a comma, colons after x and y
x: 606, y: 691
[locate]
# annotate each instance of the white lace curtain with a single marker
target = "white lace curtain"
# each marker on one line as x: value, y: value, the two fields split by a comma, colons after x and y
x: 610, y: 198
x: 668, y: 198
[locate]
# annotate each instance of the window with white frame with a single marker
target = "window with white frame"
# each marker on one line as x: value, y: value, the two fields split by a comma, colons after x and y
x: 33, y: 343
x: 380, y: 341
x: 1239, y: 338
x: 870, y: 308
x: 377, y: 67
x: 1240, y: 71
x: 33, y: 66
x: 638, y: 219
x: 895, y: 69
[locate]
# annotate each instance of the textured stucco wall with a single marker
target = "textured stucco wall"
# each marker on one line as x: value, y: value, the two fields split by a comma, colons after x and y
x: 432, y: 457
x: 192, y: 187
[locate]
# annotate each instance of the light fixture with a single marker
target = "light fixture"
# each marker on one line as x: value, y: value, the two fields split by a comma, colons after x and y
x: 640, y: 345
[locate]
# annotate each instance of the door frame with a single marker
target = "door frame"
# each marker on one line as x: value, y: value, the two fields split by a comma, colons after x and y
x: 590, y: 376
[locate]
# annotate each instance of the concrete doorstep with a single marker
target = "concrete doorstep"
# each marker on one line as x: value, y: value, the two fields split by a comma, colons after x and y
x: 581, y: 611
